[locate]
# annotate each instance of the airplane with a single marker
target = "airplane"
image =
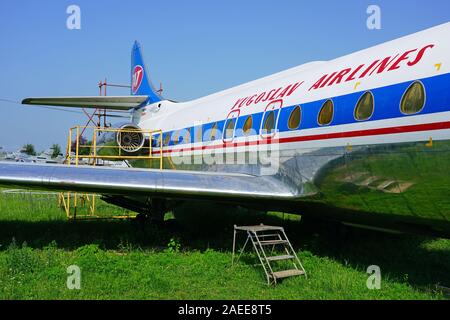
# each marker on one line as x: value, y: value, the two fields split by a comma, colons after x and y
x: 18, y: 156
x: 46, y: 157
x: 362, y: 140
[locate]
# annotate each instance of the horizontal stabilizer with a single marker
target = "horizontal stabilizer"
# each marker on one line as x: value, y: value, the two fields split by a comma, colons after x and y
x: 108, y: 102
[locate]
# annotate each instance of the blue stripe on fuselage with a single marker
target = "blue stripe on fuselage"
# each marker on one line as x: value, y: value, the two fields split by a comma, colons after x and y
x: 387, y: 106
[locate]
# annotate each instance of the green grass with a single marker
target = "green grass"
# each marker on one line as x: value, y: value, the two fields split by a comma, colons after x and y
x: 125, y: 260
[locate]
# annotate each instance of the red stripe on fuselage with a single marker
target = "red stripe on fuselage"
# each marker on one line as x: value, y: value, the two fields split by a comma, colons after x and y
x: 325, y: 136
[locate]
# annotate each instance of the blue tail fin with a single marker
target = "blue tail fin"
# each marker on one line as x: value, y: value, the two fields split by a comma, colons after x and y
x: 140, y: 81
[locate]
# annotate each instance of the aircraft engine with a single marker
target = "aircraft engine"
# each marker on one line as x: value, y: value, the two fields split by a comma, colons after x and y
x: 129, y: 139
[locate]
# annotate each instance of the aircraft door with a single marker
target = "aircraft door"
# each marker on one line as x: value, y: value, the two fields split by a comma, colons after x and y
x: 269, y: 123
x: 229, y: 127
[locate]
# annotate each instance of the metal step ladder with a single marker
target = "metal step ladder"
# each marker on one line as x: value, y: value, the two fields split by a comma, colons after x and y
x: 268, y: 241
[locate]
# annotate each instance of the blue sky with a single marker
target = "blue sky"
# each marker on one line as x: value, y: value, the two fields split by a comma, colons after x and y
x: 193, y: 47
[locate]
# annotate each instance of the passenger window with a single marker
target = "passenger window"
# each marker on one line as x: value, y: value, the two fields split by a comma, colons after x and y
x: 176, y: 137
x: 294, y: 118
x: 229, y: 128
x: 364, y: 107
x: 156, y: 141
x: 214, y: 132
x: 167, y: 139
x: 269, y: 122
x: 185, y: 136
x: 248, y: 125
x: 326, y: 113
x: 199, y: 134
x: 413, y: 100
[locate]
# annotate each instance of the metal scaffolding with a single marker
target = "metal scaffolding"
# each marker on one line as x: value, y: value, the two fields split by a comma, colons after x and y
x: 80, y: 151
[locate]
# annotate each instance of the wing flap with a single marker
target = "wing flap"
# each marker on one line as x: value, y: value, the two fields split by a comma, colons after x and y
x: 107, y: 102
x: 164, y: 183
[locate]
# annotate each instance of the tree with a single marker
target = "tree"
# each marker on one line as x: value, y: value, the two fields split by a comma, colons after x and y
x: 84, y: 146
x: 29, y: 149
x: 87, y: 149
x: 56, y: 150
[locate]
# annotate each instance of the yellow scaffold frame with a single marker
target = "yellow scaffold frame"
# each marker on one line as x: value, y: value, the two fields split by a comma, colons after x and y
x: 71, y: 202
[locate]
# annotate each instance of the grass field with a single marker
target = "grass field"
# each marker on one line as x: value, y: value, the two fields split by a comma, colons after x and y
x: 122, y: 259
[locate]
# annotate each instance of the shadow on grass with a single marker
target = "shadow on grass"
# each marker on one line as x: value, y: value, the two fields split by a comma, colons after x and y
x: 419, y: 261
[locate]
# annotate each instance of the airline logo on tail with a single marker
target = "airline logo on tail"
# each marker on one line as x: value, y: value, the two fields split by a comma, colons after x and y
x: 138, y: 75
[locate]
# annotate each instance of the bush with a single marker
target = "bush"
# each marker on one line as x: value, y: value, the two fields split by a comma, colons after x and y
x: 22, y: 260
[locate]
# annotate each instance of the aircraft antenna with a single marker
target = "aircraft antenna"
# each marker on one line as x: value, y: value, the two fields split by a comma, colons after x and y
x: 160, y: 91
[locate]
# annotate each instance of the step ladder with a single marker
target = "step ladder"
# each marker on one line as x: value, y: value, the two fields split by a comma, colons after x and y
x: 268, y: 241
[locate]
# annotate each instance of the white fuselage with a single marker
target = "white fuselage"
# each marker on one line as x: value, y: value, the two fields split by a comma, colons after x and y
x: 422, y: 55
x: 392, y: 164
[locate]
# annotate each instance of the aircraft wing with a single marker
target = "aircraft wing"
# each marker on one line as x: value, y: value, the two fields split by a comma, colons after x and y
x: 148, y: 182
x: 105, y: 102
